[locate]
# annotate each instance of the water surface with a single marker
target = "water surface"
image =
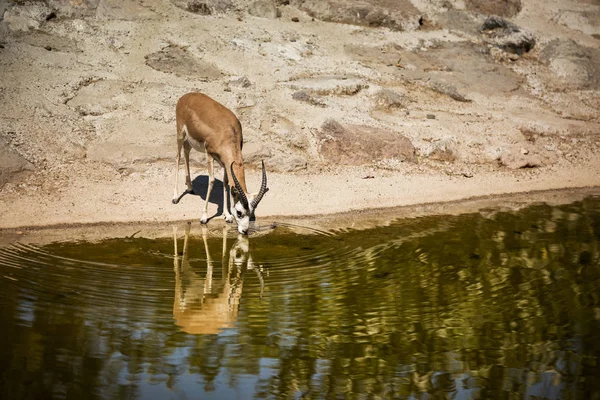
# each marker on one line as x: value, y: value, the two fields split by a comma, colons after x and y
x: 484, y: 305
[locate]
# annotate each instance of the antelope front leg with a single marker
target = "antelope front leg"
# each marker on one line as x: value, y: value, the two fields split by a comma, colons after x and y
x: 211, y: 181
x: 226, y: 198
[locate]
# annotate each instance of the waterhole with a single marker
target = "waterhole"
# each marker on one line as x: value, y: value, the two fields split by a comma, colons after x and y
x: 484, y: 305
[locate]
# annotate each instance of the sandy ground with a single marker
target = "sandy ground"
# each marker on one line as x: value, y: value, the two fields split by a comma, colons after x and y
x: 362, y: 219
x: 87, y: 123
x: 148, y: 199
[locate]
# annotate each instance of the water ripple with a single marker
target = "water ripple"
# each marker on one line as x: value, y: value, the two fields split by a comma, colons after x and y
x: 420, y: 307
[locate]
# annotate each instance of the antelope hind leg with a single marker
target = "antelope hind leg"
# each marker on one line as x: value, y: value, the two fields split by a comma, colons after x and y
x: 186, y: 148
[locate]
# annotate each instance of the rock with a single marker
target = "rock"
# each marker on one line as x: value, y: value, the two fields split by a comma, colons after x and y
x: 74, y: 9
x: 48, y: 41
x: 495, y: 22
x: 575, y: 66
x: 121, y: 155
x: 204, y: 7
x: 397, y: 15
x: 448, y: 90
x: 13, y: 167
x: 585, y: 20
x: 26, y: 17
x: 358, y: 144
x: 256, y: 152
x: 441, y: 150
x: 177, y: 60
x: 307, y: 97
x: 389, y: 100
x: 128, y: 10
x: 264, y: 9
x: 516, y: 43
x: 329, y: 85
x: 503, y: 8
x: 281, y: 130
x: 242, y: 82
x: 134, y: 150
x: 199, y: 7
x: 507, y: 36
x: 288, y: 163
x: 514, y: 157
x: 96, y: 97
x: 3, y: 7
x: 458, y: 20
x: 459, y: 69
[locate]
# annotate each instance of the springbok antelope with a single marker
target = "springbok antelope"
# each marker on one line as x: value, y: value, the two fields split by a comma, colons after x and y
x: 207, y: 126
x: 207, y: 305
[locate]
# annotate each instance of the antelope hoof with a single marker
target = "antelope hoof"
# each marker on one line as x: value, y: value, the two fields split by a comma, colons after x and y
x: 176, y: 199
x: 204, y: 220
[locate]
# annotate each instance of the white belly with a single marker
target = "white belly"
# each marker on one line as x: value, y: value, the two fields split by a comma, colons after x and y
x: 196, y: 144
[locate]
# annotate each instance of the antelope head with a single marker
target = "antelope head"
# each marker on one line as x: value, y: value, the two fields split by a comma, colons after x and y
x: 245, y: 204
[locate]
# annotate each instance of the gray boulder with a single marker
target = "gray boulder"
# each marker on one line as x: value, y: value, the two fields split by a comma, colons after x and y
x: 359, y: 145
x: 398, y: 15
x: 507, y: 36
x: 264, y: 9
x: 575, y: 66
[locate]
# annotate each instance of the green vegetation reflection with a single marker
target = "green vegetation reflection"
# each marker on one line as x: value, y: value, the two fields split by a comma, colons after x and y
x: 485, y: 305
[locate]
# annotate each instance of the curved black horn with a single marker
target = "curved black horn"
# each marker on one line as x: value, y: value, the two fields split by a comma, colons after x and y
x: 239, y: 188
x: 263, y: 188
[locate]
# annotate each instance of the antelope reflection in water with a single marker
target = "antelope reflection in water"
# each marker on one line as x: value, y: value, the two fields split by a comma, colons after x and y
x: 209, y: 304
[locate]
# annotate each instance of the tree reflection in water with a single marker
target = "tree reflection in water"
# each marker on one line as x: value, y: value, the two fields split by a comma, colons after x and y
x: 486, y: 305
